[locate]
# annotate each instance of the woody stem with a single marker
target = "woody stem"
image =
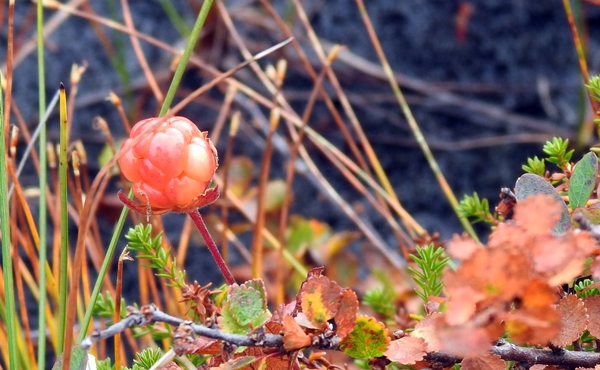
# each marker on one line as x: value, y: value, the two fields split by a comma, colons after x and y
x: 212, y: 247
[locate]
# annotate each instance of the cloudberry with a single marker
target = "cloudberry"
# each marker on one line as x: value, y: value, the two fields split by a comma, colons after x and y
x: 172, y: 167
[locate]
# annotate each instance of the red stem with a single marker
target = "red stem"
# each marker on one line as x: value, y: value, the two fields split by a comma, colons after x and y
x: 212, y: 247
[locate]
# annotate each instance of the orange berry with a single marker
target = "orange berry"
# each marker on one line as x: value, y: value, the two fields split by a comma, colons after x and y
x: 173, y: 165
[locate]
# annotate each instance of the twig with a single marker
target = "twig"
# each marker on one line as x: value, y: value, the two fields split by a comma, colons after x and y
x: 512, y: 352
x: 150, y: 314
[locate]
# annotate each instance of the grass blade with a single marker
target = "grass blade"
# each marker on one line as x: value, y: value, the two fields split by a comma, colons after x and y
x: 7, y: 267
x: 64, y: 218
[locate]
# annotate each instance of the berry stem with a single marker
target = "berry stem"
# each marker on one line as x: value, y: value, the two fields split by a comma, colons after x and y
x: 212, y: 247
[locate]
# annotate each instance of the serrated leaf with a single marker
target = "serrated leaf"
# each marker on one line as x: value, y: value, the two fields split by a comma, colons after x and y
x: 530, y: 184
x: 293, y: 335
x: 320, y: 299
x: 245, y: 309
x: 583, y: 180
x: 407, y: 350
x: 346, y: 316
x: 79, y: 359
x: 259, y: 286
x: 369, y: 339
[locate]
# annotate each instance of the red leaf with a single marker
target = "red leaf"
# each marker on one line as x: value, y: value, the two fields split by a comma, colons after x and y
x: 528, y: 211
x: 427, y: 329
x: 293, y: 335
x: 407, y: 350
x: 592, y: 304
x: 464, y: 340
x: 205, y: 346
x: 486, y: 361
x: 320, y: 299
x: 346, y: 316
x: 462, y: 247
x: 573, y: 318
x: 537, y: 325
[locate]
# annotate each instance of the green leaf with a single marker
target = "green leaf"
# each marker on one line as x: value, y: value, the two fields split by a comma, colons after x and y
x: 147, y: 358
x: 276, y: 190
x: 535, y: 165
x: 259, y: 286
x: 246, y: 308
x: 369, y: 339
x: 79, y: 359
x: 530, y: 184
x: 557, y: 152
x: 583, y: 180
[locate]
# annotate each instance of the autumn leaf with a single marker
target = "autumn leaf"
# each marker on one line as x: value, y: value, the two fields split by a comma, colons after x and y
x: 497, y: 274
x: 320, y: 299
x: 237, y: 363
x: 254, y: 358
x: 347, y: 313
x: 369, y: 339
x: 573, y: 320
x: 293, y: 335
x: 486, y: 361
x: 205, y: 346
x: 528, y: 211
x: 533, y: 325
x: 462, y: 304
x: 427, y: 329
x: 464, y: 340
x: 562, y: 258
x: 530, y: 185
x: 461, y: 247
x: 595, y: 268
x: 507, y: 235
x: 538, y: 293
x: 592, y: 304
x: 407, y: 350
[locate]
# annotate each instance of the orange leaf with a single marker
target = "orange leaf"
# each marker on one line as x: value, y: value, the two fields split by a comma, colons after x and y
x: 205, y: 346
x: 257, y: 359
x: 528, y: 211
x: 561, y: 258
x: 427, y: 329
x: 346, y: 316
x: 498, y: 274
x: 486, y: 361
x: 462, y: 304
x: 533, y: 325
x: 539, y: 294
x: 320, y: 299
x: 462, y: 247
x: 592, y: 304
x: 464, y: 340
x: 407, y: 350
x: 595, y: 268
x: 293, y: 335
x: 508, y: 236
x: 573, y: 318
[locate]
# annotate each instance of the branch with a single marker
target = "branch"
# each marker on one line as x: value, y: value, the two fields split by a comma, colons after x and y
x: 149, y: 314
x: 527, y: 355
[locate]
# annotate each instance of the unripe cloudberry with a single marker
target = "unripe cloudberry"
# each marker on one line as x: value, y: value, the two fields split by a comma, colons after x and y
x: 171, y: 167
